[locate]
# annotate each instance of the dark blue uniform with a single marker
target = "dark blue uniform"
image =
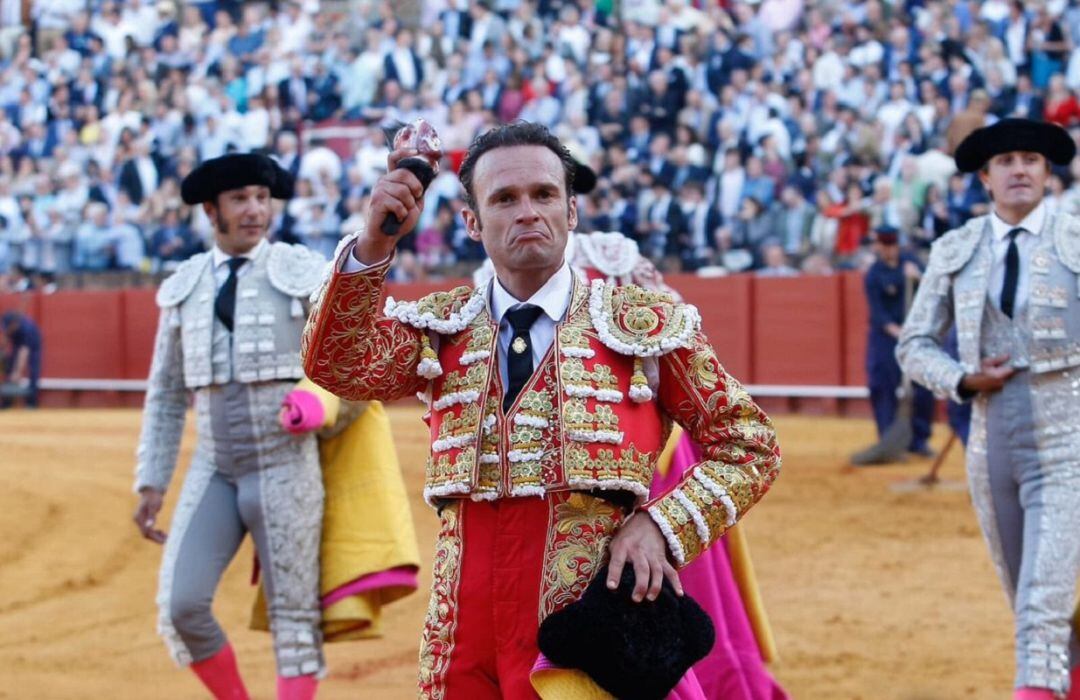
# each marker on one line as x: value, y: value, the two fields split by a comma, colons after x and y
x: 885, y: 296
x: 25, y: 335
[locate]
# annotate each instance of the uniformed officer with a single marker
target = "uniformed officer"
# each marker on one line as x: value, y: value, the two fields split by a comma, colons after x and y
x: 886, y: 283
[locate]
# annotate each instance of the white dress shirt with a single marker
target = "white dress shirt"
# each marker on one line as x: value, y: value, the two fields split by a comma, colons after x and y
x: 553, y: 298
x: 1025, y: 242
x: 221, y: 258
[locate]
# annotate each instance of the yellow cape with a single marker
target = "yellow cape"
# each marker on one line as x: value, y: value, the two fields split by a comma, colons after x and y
x: 367, y: 524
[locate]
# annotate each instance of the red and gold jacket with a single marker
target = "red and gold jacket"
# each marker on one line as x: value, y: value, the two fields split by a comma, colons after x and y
x: 624, y: 364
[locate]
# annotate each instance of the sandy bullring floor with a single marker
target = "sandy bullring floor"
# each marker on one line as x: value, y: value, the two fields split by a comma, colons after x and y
x: 874, y: 592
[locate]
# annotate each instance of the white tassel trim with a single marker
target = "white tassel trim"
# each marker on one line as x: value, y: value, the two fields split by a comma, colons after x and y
x: 484, y: 496
x: 642, y: 349
x: 673, y: 542
x: 640, y: 393
x: 489, y: 423
x: 700, y: 525
x: 406, y: 312
x: 608, y: 395
x: 614, y: 437
x: 454, y: 398
x: 489, y: 458
x: 472, y: 357
x: 449, y: 443
x: 432, y: 493
x: 530, y: 490
x: 585, y: 391
x: 571, y: 351
x: 721, y: 494
x: 525, y: 455
x: 531, y: 421
x: 429, y: 368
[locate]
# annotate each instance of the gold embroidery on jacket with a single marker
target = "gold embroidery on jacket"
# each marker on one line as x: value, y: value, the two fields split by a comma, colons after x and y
x: 474, y: 378
x: 629, y: 464
x: 437, y: 641
x: 580, y: 528
x: 464, y: 423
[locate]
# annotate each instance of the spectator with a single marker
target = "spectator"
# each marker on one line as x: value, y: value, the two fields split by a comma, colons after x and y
x: 972, y: 118
x: 173, y: 241
x: 853, y: 222
x: 794, y: 221
x: 22, y: 364
x: 775, y: 262
x: 696, y: 245
x: 1062, y: 107
x: 100, y: 245
x: 816, y: 264
x: 664, y: 224
x: 432, y: 249
x: 749, y: 230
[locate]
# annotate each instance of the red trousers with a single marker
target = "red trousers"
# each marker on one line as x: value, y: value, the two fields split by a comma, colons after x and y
x: 500, y: 568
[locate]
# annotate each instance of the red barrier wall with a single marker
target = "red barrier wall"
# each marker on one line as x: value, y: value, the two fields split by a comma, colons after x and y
x: 856, y: 326
x: 802, y: 330
x: 726, y: 317
x: 797, y: 331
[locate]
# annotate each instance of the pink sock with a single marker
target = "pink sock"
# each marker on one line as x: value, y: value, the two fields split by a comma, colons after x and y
x: 221, y: 676
x: 1033, y: 694
x: 297, y: 687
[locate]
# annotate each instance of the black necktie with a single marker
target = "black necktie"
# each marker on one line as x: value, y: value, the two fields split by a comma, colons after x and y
x: 225, y: 303
x: 1012, y: 274
x: 519, y: 359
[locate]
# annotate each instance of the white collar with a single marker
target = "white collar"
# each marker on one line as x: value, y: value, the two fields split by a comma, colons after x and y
x: 553, y: 297
x: 221, y: 257
x: 1032, y: 223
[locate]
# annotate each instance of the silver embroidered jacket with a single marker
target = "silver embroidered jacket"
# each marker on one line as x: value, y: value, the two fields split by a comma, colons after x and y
x: 955, y: 288
x: 193, y: 350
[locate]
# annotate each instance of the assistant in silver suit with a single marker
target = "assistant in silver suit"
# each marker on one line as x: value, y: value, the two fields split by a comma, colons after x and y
x: 229, y: 333
x: 1009, y: 281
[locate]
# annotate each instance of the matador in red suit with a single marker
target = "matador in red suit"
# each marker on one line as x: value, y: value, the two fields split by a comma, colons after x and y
x: 549, y: 401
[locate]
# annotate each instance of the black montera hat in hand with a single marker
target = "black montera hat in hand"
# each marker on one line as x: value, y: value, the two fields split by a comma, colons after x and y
x: 635, y: 651
x: 1012, y: 134
x: 233, y: 171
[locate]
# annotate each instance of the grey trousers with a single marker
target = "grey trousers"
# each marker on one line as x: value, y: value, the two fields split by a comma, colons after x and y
x: 245, y: 478
x: 1024, y: 473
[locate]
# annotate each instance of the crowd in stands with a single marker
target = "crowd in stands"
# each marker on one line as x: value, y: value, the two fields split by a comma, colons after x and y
x: 766, y: 135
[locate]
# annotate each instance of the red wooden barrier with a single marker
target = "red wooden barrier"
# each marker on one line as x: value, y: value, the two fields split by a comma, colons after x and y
x: 140, y: 315
x: 856, y: 324
x: 797, y: 331
x: 82, y: 334
x: 725, y: 306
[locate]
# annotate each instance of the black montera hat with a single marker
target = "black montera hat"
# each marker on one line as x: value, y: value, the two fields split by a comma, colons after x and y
x: 584, y: 178
x: 233, y: 171
x: 1014, y: 134
x: 635, y: 651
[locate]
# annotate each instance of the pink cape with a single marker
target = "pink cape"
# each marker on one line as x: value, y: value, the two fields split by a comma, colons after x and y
x: 734, y: 669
